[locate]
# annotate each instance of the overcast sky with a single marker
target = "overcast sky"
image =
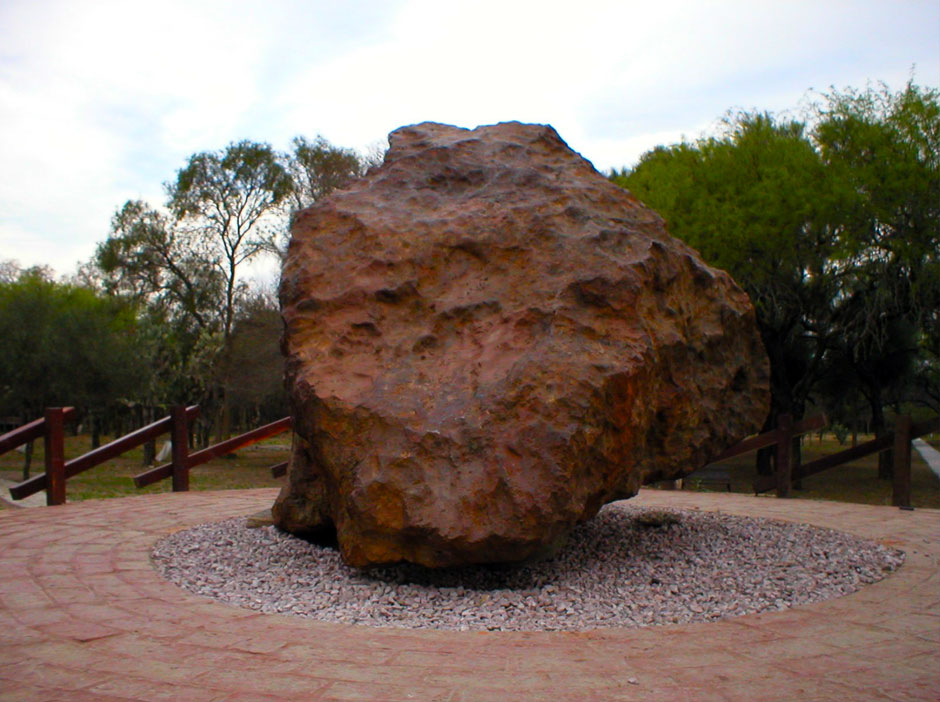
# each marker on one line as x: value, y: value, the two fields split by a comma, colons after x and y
x: 102, y: 101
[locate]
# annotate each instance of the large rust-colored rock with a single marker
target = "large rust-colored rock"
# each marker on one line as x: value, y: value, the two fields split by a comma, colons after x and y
x: 486, y: 341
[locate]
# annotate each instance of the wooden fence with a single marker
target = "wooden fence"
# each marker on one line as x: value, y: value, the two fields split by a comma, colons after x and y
x: 178, y: 468
x: 782, y: 438
x: 52, y: 429
x: 58, y: 470
x: 905, y: 431
x: 787, y: 471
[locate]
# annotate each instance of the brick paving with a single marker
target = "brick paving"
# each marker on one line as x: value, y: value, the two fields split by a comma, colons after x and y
x: 83, y: 616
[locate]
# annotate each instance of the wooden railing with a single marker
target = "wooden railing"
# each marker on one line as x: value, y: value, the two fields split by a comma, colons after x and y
x: 905, y: 431
x: 52, y: 429
x: 787, y: 471
x: 781, y: 437
x: 58, y: 470
x: 53, y: 480
x: 182, y: 462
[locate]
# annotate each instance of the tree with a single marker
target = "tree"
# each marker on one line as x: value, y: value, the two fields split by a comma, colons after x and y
x: 832, y: 230
x: 9, y: 270
x: 226, y: 201
x: 752, y: 201
x: 882, y: 152
x: 65, y: 345
x: 229, y: 199
x: 150, y: 259
x: 170, y: 277
x: 318, y: 168
x: 184, y: 264
x: 258, y: 395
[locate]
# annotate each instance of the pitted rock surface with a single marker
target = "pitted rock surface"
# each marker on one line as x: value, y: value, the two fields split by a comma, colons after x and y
x: 487, y: 341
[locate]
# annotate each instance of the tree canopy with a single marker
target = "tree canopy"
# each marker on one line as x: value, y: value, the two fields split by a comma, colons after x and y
x: 751, y: 201
x: 184, y: 263
x: 831, y: 224
x: 318, y: 168
x: 64, y: 345
x: 224, y: 202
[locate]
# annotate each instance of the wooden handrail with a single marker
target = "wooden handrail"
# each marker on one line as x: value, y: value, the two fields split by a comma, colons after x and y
x: 876, y: 445
x: 29, y: 432
x: 770, y: 438
x: 763, y: 483
x: 235, y: 443
x: 220, y: 449
x: 101, y: 454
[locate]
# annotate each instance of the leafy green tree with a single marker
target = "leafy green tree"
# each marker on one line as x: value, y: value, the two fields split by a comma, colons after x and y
x: 186, y: 263
x: 65, y: 345
x: 318, y: 168
x: 752, y: 201
x: 9, y: 270
x: 832, y: 230
x: 256, y: 366
x: 228, y: 201
x: 149, y: 258
x: 170, y: 276
x: 882, y: 152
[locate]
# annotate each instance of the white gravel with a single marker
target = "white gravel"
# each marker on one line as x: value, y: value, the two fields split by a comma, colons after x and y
x: 627, y: 567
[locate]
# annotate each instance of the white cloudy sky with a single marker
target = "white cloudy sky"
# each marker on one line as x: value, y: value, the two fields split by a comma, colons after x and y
x: 103, y: 100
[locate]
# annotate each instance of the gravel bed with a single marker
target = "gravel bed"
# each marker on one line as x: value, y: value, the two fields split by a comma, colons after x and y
x: 627, y: 567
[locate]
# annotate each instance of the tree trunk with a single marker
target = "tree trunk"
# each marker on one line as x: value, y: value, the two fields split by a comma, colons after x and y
x: 885, y: 458
x: 796, y: 459
x: 27, y: 459
x: 886, y: 465
x: 150, y: 447
x: 95, y: 424
x: 763, y: 461
x: 204, y: 433
x: 150, y: 452
x: 225, y: 419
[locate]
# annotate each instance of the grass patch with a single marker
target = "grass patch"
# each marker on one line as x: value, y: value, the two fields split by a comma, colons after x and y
x: 247, y: 468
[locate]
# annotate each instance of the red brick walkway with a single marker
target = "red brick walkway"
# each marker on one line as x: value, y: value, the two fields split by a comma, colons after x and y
x: 83, y: 616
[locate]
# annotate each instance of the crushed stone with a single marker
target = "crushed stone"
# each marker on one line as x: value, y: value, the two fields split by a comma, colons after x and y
x: 626, y: 567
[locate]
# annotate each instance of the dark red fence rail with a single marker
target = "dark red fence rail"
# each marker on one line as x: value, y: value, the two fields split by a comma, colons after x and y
x: 782, y: 438
x: 58, y: 470
x: 31, y: 431
x: 900, y: 439
x: 58, y: 474
x: 52, y: 429
x: 182, y: 461
x: 786, y: 472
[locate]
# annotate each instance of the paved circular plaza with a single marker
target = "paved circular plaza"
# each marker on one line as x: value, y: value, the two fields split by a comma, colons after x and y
x: 83, y: 616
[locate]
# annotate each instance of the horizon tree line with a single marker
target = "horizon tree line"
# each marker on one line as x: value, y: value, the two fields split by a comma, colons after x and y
x: 830, y: 222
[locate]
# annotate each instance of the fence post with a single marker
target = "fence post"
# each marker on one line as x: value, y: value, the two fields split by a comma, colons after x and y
x: 901, y: 496
x: 54, y: 440
x: 784, y: 446
x: 179, y: 435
